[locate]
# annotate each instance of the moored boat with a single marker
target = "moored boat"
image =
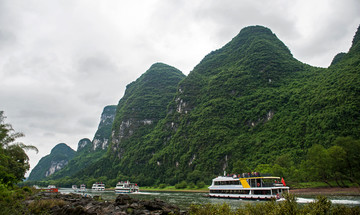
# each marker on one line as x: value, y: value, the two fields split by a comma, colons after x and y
x: 74, y: 187
x: 248, y: 186
x: 82, y: 188
x: 98, y: 187
x: 126, y: 187
x: 50, y: 189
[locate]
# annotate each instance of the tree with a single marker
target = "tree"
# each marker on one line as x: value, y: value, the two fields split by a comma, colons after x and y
x: 14, y: 162
x: 318, y: 164
x: 337, y: 163
x: 352, y: 158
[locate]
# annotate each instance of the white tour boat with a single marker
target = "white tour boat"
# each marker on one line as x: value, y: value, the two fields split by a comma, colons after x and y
x: 126, y: 187
x: 74, y: 187
x: 82, y: 188
x: 248, y: 186
x: 98, y: 187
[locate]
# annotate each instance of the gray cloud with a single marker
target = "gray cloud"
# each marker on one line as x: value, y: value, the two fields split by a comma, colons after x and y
x: 61, y: 62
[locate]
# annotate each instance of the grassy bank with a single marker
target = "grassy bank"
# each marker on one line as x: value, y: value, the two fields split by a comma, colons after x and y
x: 174, y: 189
x: 317, y: 184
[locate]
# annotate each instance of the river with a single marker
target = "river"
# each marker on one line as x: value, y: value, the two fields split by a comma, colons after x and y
x: 185, y: 199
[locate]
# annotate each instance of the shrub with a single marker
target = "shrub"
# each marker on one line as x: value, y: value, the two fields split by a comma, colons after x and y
x: 162, y: 186
x: 43, y: 205
x: 191, y: 185
x: 181, y: 185
x: 200, y: 184
x: 208, y: 208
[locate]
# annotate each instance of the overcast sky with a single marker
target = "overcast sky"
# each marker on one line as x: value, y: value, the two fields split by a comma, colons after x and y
x: 63, y: 61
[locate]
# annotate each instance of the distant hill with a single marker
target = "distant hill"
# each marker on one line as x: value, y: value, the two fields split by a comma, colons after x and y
x: 89, y: 152
x: 59, y: 157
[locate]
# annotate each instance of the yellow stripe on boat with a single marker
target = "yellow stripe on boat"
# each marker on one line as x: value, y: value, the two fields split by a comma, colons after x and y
x: 244, y: 183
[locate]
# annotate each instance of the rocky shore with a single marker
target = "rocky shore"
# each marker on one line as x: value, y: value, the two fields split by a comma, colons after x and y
x: 59, y: 204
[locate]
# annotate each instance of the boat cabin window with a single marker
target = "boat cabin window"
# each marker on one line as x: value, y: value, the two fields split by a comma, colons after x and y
x: 235, y: 182
x: 255, y: 183
x: 262, y: 192
x: 230, y: 191
x: 268, y: 182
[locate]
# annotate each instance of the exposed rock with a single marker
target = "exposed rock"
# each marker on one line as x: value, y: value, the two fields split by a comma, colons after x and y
x: 123, y: 204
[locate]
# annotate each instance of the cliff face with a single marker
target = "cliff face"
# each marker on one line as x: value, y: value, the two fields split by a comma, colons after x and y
x: 59, y: 157
x: 102, y: 135
x: 56, y: 166
x: 84, y: 144
x: 143, y: 105
x: 89, y: 152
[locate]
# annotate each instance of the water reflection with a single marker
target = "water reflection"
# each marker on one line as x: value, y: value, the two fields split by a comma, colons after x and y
x: 184, y: 200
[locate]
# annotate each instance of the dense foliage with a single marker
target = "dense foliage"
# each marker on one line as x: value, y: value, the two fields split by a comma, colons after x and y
x: 14, y: 162
x: 251, y: 104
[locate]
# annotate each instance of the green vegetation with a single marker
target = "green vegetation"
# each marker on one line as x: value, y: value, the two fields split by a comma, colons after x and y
x: 11, y: 199
x: 42, y: 206
x: 13, y: 164
x: 250, y: 106
x: 321, y: 206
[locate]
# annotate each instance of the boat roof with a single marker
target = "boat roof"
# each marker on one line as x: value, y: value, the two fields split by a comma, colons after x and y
x: 227, y: 178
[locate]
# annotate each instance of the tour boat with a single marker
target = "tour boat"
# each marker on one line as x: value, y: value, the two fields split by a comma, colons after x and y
x: 126, y: 187
x: 248, y: 186
x: 98, y: 187
x: 82, y: 188
x: 74, y: 187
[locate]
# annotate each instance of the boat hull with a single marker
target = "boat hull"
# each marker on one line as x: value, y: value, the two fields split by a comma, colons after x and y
x: 98, y: 190
x: 126, y: 191
x: 248, y: 197
x: 50, y: 190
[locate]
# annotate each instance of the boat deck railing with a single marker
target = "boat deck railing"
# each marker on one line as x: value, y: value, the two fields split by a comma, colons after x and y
x: 249, y: 175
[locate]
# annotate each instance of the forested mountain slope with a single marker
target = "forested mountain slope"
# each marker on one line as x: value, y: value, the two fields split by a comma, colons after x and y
x: 138, y: 112
x: 59, y: 157
x: 246, y: 104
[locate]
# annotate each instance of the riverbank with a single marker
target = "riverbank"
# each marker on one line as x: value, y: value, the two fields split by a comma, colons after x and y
x: 174, y: 190
x: 328, y: 191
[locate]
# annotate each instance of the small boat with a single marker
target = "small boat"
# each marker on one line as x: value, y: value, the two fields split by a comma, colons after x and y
x: 248, y: 186
x: 74, y: 187
x: 98, y: 187
x: 126, y: 187
x: 82, y: 188
x: 50, y: 189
